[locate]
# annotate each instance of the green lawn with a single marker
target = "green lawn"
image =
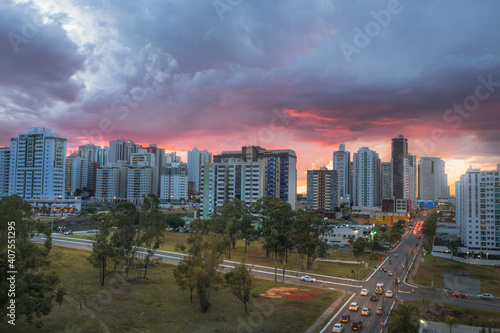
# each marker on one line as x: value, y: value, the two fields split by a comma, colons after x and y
x: 436, y: 266
x: 157, y: 305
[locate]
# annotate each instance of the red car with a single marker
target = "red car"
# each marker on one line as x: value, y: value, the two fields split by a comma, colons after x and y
x: 459, y: 295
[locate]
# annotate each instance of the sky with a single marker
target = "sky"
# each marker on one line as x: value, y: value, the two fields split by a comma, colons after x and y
x: 221, y: 74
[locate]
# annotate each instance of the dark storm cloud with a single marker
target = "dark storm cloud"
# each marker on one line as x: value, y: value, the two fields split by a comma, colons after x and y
x: 37, y: 60
x: 181, y: 71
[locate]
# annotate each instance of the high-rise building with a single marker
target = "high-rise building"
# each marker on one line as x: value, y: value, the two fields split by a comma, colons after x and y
x: 38, y: 165
x: 196, y: 159
x: 478, y: 210
x: 366, y: 180
x: 120, y: 150
x: 174, y: 183
x: 322, y: 190
x: 111, y: 182
x: 433, y: 181
x: 342, y: 164
x: 412, y: 177
x: 77, y: 174
x: 4, y: 171
x: 139, y: 183
x: 399, y: 156
x: 386, y: 180
x: 230, y: 180
x: 280, y: 173
x: 172, y: 158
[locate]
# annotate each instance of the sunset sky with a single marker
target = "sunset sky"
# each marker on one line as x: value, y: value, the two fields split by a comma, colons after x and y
x: 219, y: 74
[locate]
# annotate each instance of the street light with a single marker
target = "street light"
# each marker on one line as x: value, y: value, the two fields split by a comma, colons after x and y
x: 467, y: 256
x: 487, y: 256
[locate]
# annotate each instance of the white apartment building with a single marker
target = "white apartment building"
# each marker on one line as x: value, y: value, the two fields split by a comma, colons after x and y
x: 37, y: 166
x: 4, y: 171
x: 366, y: 180
x: 342, y: 164
x: 174, y: 183
x: 139, y: 183
x: 195, y: 161
x: 411, y: 163
x: 433, y: 181
x: 232, y: 180
x: 478, y: 211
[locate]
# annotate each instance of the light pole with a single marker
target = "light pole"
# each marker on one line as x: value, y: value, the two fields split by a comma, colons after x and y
x: 467, y: 256
x: 487, y: 254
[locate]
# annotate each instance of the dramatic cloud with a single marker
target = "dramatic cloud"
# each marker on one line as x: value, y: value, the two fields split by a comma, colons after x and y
x: 303, y: 75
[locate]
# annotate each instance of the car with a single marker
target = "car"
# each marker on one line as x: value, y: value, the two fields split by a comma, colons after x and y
x: 390, y: 273
x: 354, y: 306
x: 307, y: 278
x: 357, y: 325
x: 95, y: 231
x: 380, y: 310
x: 364, y: 292
x: 338, y: 328
x: 388, y: 293
x: 383, y: 270
x: 373, y: 297
x: 397, y: 280
x: 379, y: 290
x: 69, y: 232
x: 487, y: 296
x: 345, y: 318
x: 459, y: 295
x: 365, y: 311
x: 380, y: 284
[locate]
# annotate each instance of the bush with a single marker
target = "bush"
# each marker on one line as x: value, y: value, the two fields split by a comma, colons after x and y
x: 374, y: 256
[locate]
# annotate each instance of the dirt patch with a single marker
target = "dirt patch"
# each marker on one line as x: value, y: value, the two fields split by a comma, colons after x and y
x: 292, y: 293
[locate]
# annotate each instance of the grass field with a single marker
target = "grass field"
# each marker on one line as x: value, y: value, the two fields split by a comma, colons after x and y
x: 433, y: 268
x: 157, y: 305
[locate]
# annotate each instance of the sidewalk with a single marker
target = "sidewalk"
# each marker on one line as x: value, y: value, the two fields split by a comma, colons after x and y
x: 325, y: 317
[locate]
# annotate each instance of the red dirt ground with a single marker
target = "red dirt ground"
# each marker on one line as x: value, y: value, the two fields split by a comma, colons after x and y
x: 292, y: 293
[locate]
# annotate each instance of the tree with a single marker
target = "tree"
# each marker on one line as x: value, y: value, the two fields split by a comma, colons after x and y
x: 240, y: 283
x: 152, y: 237
x: 404, y: 319
x: 308, y: 229
x: 34, y: 294
x: 175, y: 222
x: 184, y: 274
x: 358, y: 247
x: 374, y: 245
x: 451, y: 321
x: 207, y: 249
x: 102, y: 249
x: 277, y: 219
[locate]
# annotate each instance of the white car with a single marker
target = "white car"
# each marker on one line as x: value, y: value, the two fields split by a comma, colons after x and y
x: 487, y: 296
x: 365, y: 312
x: 354, y: 306
x: 338, y: 328
x: 388, y: 293
x: 307, y: 278
x: 364, y: 292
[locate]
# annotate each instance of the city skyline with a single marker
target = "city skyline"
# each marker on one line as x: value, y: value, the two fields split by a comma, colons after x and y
x: 301, y: 76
